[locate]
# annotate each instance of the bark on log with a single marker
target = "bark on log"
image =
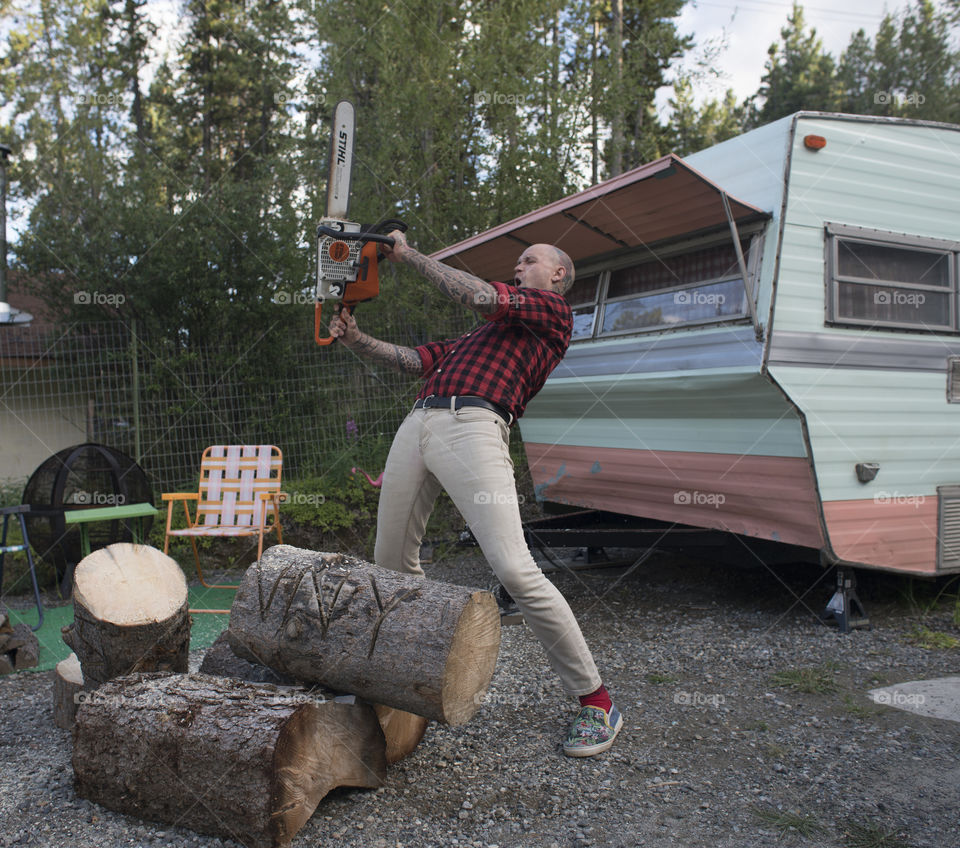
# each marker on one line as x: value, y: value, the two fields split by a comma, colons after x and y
x: 221, y: 661
x: 67, y: 684
x: 413, y: 644
x: 402, y: 730
x: 238, y: 760
x: 130, y: 613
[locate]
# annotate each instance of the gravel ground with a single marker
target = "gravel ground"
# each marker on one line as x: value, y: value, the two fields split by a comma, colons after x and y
x: 713, y: 750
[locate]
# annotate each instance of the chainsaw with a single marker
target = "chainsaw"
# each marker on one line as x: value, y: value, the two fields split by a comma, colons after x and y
x: 347, y: 253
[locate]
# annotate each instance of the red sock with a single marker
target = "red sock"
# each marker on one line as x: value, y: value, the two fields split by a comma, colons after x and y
x: 600, y: 698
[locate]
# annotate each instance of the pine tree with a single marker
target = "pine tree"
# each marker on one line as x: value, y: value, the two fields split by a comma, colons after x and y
x: 799, y: 74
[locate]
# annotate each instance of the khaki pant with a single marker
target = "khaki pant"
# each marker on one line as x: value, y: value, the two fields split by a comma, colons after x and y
x: 466, y: 453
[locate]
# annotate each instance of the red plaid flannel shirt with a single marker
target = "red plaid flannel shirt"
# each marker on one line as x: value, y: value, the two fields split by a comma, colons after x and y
x: 508, y: 359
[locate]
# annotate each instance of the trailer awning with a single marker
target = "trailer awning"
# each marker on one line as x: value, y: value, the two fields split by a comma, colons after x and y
x: 660, y: 200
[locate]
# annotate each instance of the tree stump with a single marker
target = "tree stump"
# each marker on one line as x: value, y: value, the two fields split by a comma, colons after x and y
x: 130, y: 613
x: 239, y: 760
x: 410, y: 643
x: 402, y: 730
x: 67, y: 683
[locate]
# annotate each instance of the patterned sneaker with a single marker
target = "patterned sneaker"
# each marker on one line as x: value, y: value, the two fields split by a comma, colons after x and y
x: 592, y: 731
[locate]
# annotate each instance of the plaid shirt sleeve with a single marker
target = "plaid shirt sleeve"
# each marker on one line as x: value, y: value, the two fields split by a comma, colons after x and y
x: 546, y: 313
x: 432, y: 352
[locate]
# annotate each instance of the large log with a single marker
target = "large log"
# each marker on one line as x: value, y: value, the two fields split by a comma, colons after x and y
x: 403, y: 641
x: 238, y: 760
x: 402, y: 730
x: 67, y: 686
x: 130, y: 613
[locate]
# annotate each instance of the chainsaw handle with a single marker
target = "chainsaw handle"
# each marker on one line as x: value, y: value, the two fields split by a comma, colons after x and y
x: 318, y: 308
x: 333, y: 232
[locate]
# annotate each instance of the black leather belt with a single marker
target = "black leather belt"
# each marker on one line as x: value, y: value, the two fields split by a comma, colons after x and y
x: 436, y: 402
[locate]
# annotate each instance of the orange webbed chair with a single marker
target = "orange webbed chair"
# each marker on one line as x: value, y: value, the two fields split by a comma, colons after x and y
x: 239, y: 490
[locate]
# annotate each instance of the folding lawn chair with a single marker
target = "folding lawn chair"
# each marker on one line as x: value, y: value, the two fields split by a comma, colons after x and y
x: 239, y: 487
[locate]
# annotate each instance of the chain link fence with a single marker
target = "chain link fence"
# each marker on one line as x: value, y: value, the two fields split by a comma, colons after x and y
x: 162, y: 402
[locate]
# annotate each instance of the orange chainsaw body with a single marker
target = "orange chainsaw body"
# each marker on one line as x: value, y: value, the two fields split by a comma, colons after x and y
x: 366, y: 286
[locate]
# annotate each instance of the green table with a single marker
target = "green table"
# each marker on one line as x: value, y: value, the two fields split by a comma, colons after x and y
x: 83, y: 517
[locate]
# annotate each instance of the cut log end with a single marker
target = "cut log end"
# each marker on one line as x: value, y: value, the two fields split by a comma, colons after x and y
x: 305, y: 771
x: 402, y: 731
x: 472, y: 658
x: 129, y: 584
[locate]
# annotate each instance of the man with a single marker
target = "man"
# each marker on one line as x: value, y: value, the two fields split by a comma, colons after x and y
x: 457, y: 435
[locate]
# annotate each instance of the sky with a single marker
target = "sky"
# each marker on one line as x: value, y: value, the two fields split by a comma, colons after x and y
x: 751, y: 26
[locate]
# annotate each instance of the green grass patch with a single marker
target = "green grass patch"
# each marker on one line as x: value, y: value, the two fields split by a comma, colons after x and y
x: 818, y: 680
x: 789, y: 822
x: 933, y: 640
x: 854, y: 708
x: 857, y: 835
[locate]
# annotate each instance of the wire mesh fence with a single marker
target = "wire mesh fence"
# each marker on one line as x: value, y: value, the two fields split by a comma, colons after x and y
x: 162, y: 402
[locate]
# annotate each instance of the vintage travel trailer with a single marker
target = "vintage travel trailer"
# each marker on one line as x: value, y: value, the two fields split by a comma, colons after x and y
x: 766, y: 342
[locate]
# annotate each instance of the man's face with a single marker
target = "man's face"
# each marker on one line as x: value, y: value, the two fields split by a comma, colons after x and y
x: 538, y: 268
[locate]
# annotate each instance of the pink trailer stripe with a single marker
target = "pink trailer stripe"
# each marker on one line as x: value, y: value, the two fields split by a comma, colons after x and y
x: 894, y: 533
x: 770, y: 497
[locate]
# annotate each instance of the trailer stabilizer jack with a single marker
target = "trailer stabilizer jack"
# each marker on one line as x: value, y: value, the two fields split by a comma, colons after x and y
x: 844, y: 609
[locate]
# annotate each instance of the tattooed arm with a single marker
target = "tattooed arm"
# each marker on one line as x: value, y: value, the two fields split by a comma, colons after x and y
x: 397, y: 357
x: 459, y: 286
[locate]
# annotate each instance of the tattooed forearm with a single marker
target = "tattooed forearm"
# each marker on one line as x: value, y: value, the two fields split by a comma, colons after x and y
x: 403, y: 359
x: 459, y: 286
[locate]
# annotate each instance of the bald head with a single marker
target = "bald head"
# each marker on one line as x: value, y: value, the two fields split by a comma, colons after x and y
x: 544, y: 266
x: 566, y: 263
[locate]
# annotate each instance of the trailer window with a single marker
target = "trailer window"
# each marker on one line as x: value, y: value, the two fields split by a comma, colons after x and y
x: 887, y: 280
x: 583, y: 301
x: 695, y: 287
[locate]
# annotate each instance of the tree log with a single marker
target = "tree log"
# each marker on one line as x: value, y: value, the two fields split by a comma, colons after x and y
x: 130, y: 613
x: 220, y: 661
x: 402, y: 730
x: 238, y: 760
x: 67, y: 683
x: 28, y: 651
x: 413, y: 644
